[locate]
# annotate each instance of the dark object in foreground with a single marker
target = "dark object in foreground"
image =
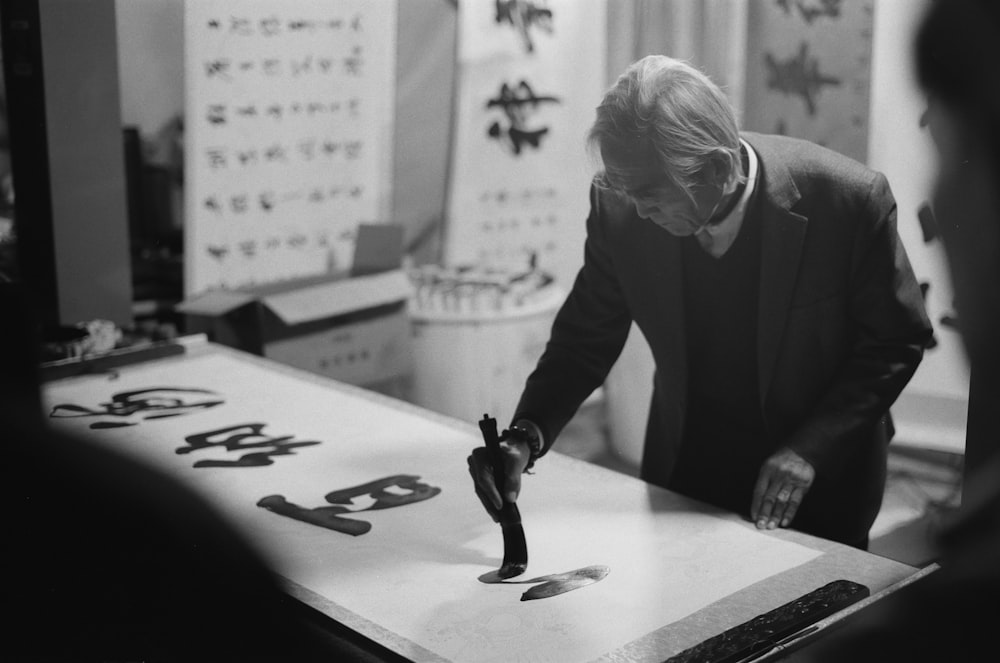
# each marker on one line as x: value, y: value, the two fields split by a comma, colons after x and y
x: 515, y: 548
x: 766, y: 631
x: 553, y: 584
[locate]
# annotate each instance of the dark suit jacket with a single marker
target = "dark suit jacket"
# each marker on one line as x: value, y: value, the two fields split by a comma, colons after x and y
x: 841, y: 326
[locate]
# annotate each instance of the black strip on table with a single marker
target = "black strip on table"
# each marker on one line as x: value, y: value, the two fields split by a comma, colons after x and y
x: 764, y: 631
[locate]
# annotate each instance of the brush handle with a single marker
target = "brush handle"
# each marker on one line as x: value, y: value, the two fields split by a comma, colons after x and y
x: 509, y: 512
x: 488, y: 426
x: 515, y: 557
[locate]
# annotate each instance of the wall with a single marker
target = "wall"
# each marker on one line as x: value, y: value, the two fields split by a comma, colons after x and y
x: 150, y: 61
x: 86, y: 162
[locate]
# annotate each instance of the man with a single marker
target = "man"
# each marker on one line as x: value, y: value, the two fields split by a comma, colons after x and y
x: 768, y: 279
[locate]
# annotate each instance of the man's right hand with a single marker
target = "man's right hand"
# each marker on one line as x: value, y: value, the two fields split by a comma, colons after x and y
x: 515, y: 455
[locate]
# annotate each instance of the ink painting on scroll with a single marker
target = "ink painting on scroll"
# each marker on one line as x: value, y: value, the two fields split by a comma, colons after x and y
x: 365, y: 506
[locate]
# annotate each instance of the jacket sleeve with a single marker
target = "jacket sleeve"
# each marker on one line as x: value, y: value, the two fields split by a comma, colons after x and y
x: 890, y: 331
x: 587, y: 336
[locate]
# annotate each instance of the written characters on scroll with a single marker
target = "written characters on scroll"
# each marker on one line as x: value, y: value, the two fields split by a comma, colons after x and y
x: 128, y: 408
x: 255, y: 446
x: 248, y: 445
x: 288, y: 130
x: 530, y: 73
x: 809, y: 71
x: 385, y: 493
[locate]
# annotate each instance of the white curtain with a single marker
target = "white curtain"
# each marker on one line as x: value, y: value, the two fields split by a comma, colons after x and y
x: 710, y: 34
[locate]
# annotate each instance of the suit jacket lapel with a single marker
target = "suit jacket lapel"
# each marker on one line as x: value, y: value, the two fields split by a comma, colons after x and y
x: 782, y: 235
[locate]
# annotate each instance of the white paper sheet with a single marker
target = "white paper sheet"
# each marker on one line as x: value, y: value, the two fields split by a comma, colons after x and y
x: 288, y: 135
x: 415, y: 573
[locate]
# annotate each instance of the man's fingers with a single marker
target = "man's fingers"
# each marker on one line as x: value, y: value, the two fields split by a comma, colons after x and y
x: 482, y: 475
x: 515, y: 459
x: 798, y: 494
x: 483, y: 499
x: 490, y: 509
x: 513, y: 484
x: 767, y: 504
x: 786, y: 504
x: 781, y: 502
x: 783, y: 482
x: 763, y: 480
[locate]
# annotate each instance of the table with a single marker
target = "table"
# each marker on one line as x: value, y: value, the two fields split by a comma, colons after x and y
x: 250, y: 434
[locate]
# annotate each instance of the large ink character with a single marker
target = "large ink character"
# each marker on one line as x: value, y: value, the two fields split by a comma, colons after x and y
x: 238, y: 438
x: 798, y: 75
x: 523, y: 15
x: 518, y: 104
x: 343, y: 502
x: 142, y: 404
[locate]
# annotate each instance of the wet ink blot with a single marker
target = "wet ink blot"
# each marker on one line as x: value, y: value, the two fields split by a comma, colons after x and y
x: 552, y: 584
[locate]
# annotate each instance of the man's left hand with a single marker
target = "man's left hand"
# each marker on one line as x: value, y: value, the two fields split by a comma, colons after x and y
x: 783, y: 481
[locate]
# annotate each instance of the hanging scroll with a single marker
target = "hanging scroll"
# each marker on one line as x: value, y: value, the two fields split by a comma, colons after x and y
x: 531, y: 73
x: 288, y: 136
x: 809, y: 70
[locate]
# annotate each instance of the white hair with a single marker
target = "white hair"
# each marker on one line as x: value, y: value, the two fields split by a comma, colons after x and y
x: 670, y: 121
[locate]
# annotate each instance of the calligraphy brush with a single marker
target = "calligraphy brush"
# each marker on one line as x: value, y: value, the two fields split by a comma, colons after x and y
x: 515, y: 547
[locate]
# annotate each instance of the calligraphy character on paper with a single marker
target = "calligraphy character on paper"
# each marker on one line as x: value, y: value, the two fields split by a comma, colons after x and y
x: 242, y: 437
x: 380, y: 491
x: 518, y: 104
x: 142, y: 404
x: 524, y: 15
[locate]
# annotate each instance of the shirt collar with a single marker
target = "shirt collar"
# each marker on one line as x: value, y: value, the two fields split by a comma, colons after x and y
x: 717, y: 239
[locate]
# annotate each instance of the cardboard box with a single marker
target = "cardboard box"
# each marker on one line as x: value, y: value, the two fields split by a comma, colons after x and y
x: 354, y: 327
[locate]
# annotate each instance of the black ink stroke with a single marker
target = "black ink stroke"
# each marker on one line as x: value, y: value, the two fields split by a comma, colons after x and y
x: 523, y: 16
x: 143, y: 404
x: 330, y: 517
x: 240, y: 438
x: 518, y: 104
x: 553, y: 584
